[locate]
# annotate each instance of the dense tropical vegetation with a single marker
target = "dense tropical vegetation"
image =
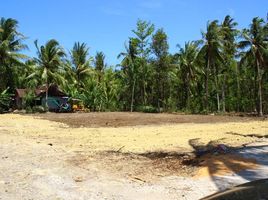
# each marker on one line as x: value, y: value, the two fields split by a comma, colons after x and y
x: 225, y: 71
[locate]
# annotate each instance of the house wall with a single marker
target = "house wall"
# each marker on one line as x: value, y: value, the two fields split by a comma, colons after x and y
x: 18, y: 103
x: 54, y: 103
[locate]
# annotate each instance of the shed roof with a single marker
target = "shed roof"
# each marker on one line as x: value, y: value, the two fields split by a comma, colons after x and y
x: 53, y: 90
x: 22, y: 92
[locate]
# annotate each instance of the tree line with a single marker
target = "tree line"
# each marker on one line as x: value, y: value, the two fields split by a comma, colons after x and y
x: 225, y: 71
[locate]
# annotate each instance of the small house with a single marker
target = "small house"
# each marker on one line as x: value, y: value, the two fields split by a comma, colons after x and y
x: 20, y: 94
x: 57, y: 100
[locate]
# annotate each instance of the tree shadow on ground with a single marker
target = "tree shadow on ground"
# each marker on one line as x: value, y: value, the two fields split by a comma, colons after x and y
x: 232, y: 167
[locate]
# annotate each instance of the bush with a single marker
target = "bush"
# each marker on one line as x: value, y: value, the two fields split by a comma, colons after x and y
x: 28, y: 109
x: 147, y: 109
x: 171, y: 105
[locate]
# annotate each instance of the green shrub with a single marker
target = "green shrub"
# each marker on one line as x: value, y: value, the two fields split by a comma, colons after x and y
x: 28, y: 109
x: 147, y: 109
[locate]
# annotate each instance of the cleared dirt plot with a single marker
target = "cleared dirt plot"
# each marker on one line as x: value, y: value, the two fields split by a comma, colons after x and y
x: 119, y: 119
x: 122, y: 155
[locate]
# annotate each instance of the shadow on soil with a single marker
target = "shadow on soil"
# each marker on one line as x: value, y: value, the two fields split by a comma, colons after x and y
x: 240, y: 162
x: 226, y: 169
x: 249, y: 163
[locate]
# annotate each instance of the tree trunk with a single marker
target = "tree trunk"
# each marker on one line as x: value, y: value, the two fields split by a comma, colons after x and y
x: 132, y: 95
x: 238, y: 89
x: 144, y: 84
x: 187, y: 91
x: 46, y: 90
x: 217, y: 90
x: 223, y: 93
x: 46, y: 95
x: 144, y: 94
x: 259, y: 88
x: 206, y: 103
x: 163, y: 93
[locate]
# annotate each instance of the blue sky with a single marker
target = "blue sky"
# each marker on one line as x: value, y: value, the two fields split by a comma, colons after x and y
x: 106, y: 24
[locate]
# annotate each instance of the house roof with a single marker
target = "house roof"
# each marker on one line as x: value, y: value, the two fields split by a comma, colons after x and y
x: 53, y: 90
x: 22, y: 92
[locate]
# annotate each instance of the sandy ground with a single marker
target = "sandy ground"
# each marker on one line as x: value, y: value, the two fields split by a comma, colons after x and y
x: 41, y: 159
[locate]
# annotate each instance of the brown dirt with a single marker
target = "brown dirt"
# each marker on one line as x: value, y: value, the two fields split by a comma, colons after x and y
x: 120, y: 119
x: 220, y: 165
x: 144, y: 167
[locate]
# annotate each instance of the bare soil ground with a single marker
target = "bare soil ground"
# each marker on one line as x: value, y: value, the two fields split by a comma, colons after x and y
x: 121, y: 119
x: 116, y: 155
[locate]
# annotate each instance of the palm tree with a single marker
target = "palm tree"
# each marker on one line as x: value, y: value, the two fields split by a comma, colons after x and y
x: 129, y: 67
x: 256, y: 43
x: 211, y: 53
x: 49, y: 59
x: 229, y: 34
x: 188, y: 67
x: 29, y: 75
x: 11, y: 43
x: 100, y: 64
x: 81, y: 63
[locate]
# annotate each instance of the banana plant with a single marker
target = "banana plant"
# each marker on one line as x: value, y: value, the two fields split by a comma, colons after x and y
x: 5, y: 100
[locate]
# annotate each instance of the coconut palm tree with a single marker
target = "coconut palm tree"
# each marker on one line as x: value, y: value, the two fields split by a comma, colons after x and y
x: 129, y: 67
x: 229, y: 33
x: 49, y: 58
x: 81, y: 63
x: 29, y: 75
x: 255, y: 44
x: 211, y: 53
x: 11, y: 43
x: 188, y: 67
x: 100, y: 64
